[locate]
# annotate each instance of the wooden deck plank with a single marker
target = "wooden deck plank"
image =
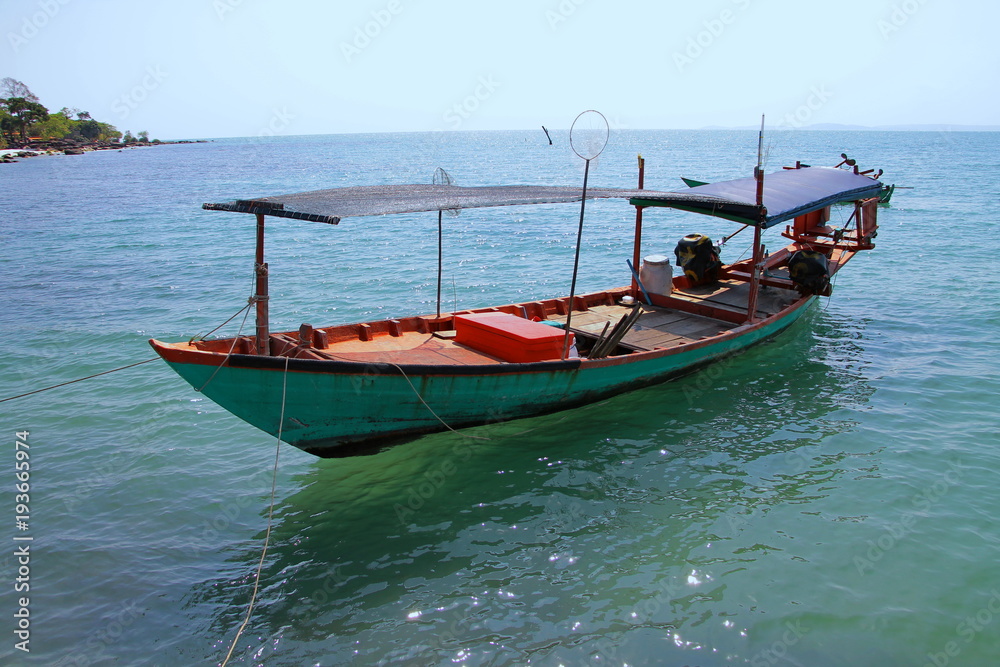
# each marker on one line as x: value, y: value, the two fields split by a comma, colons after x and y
x: 459, y: 354
x: 408, y: 341
x: 657, y: 327
x: 733, y: 295
x: 588, y: 317
x: 769, y: 300
x: 709, y: 330
x: 688, y: 327
x: 656, y: 317
x: 652, y: 339
x: 646, y: 338
x: 595, y: 328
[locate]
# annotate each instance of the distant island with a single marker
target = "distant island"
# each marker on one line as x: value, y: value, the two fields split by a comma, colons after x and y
x: 836, y: 127
x: 26, y: 125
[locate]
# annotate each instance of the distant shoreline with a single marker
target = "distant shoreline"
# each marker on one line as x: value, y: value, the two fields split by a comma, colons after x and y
x: 57, y: 147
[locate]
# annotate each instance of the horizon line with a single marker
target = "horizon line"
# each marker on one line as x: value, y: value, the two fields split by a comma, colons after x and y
x: 819, y: 127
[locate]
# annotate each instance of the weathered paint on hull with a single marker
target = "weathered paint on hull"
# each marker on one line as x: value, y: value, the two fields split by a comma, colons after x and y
x: 329, y: 405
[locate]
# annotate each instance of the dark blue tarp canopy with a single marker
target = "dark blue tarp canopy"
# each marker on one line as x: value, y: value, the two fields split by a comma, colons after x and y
x: 787, y: 193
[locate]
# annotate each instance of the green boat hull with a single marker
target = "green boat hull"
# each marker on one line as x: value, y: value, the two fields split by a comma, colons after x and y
x: 330, y: 406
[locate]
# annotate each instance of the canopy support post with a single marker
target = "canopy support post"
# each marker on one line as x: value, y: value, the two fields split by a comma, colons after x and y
x: 758, y: 249
x: 637, y: 243
x: 755, y: 271
x: 440, y: 262
x: 261, y: 297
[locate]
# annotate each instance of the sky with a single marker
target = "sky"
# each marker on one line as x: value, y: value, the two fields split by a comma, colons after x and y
x: 232, y: 68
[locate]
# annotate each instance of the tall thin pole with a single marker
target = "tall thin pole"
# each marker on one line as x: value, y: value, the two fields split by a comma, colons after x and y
x: 576, y: 260
x: 440, y: 260
x: 637, y: 243
x: 260, y: 268
x: 757, y: 247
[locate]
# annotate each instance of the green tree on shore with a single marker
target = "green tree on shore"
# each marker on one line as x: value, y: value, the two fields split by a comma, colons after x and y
x: 57, y: 126
x: 22, y: 113
x: 22, y: 116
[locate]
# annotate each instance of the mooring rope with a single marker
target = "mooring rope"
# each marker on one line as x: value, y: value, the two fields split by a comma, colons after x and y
x: 140, y: 363
x: 250, y: 302
x: 63, y: 384
x: 270, y: 517
x: 431, y: 410
x: 232, y: 347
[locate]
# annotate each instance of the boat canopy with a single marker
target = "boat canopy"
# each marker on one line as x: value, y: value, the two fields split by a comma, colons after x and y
x: 332, y: 205
x: 786, y: 194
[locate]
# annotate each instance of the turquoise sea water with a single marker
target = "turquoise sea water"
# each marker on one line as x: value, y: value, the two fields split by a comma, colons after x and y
x: 828, y: 498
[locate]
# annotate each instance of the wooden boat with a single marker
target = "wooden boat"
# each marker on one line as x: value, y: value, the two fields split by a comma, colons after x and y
x: 886, y: 194
x: 330, y: 389
x: 692, y: 183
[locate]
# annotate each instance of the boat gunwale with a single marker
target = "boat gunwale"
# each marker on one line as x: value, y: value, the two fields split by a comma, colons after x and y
x: 180, y: 353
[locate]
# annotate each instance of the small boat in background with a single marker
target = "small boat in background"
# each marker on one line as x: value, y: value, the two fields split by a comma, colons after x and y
x: 692, y: 183
x: 330, y: 389
x: 886, y: 194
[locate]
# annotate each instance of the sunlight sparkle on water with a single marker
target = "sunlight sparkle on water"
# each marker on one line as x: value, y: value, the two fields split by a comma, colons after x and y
x: 569, y: 560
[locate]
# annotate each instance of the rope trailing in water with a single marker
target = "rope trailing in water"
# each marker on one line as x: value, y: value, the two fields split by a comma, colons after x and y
x: 270, y: 517
x: 63, y: 384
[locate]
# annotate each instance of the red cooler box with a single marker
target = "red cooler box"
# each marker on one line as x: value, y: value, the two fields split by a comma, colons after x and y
x: 510, y: 337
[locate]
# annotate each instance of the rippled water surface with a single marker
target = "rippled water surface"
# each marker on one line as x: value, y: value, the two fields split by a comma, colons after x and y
x: 828, y: 498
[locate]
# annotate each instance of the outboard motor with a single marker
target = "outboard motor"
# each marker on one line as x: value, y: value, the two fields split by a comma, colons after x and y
x: 698, y: 258
x: 810, y: 271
